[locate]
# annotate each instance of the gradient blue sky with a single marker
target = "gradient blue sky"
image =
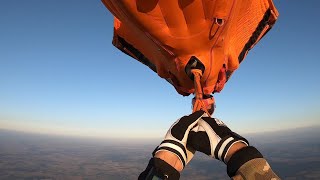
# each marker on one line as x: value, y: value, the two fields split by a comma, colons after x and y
x: 60, y: 74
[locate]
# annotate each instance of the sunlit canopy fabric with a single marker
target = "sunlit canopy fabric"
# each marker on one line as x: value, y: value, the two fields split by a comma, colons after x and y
x: 165, y: 34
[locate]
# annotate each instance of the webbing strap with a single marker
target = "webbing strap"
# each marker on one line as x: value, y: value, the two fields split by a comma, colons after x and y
x: 198, y: 104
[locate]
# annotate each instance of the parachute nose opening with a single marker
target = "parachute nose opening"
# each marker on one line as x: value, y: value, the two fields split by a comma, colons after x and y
x: 193, y: 63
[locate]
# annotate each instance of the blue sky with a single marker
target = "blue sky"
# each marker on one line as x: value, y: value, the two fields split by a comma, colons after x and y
x: 60, y: 74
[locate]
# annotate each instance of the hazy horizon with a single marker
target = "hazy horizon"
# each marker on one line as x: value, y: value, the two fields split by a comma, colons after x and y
x: 306, y: 129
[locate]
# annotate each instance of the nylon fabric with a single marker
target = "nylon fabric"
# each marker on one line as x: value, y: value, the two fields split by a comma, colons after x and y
x: 168, y: 32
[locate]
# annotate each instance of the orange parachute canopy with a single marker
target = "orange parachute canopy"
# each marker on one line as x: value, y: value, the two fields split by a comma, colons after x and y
x: 173, y: 36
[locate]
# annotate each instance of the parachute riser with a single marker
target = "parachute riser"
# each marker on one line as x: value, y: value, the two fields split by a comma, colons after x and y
x: 198, y: 92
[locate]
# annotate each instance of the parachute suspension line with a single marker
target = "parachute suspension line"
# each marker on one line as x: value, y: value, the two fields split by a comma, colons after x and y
x: 198, y: 104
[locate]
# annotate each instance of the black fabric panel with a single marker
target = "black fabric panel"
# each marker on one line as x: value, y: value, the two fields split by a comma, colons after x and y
x: 200, y: 142
x: 179, y: 129
x: 255, y: 35
x: 240, y: 158
x: 228, y: 73
x: 138, y: 55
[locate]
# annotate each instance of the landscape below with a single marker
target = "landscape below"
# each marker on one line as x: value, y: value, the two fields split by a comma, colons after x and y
x: 293, y: 154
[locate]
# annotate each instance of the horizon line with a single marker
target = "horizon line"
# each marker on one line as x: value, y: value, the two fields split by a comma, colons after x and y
x: 97, y: 137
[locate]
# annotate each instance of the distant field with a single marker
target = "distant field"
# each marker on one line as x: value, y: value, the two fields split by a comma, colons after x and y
x: 293, y: 154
